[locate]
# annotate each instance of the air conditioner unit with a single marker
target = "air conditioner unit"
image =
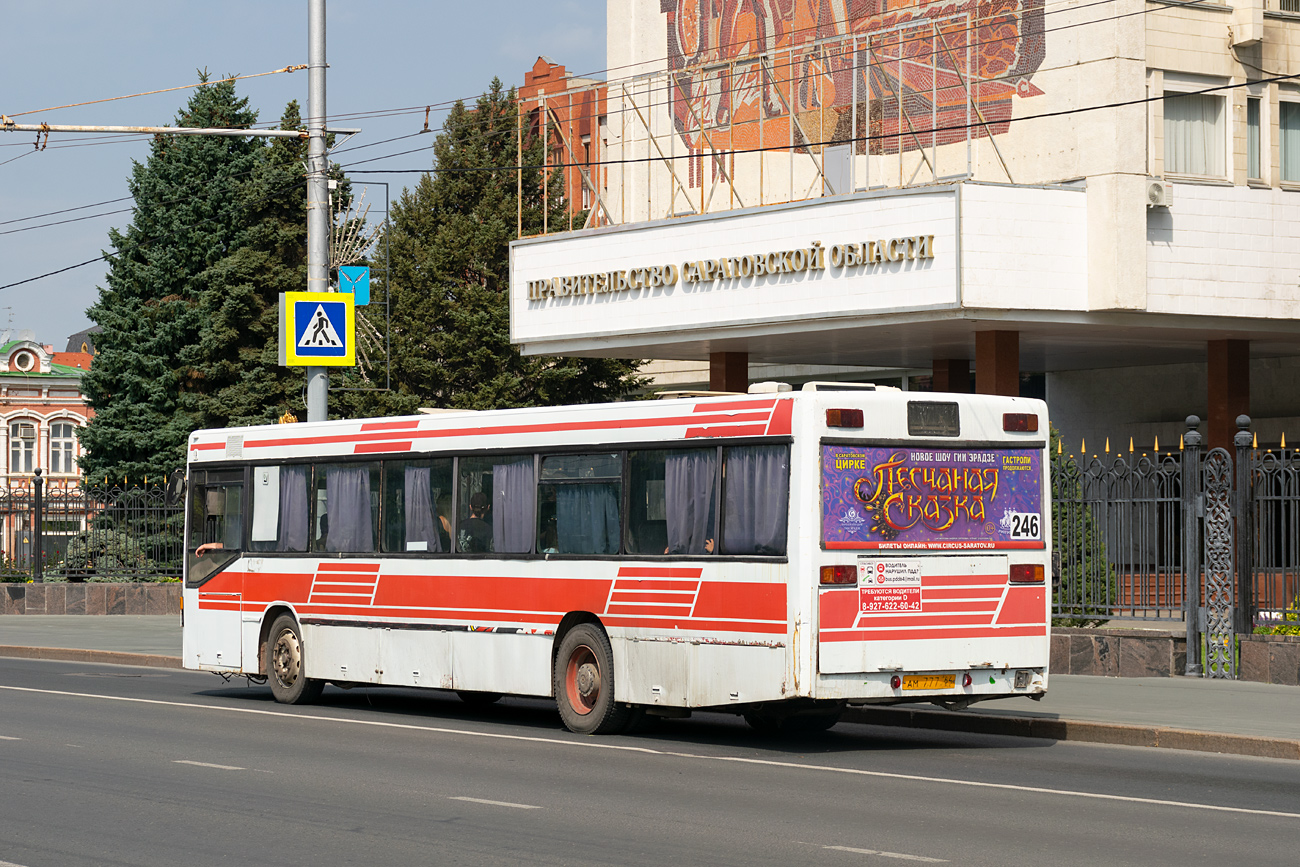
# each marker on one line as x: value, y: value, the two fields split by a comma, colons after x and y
x: 25, y: 431
x: 1159, y: 193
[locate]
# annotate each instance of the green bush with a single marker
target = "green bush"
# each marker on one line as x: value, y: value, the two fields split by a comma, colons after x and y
x: 101, y: 556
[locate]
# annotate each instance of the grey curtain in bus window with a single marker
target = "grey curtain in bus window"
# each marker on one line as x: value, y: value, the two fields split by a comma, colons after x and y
x: 688, y: 498
x: 347, y: 499
x: 586, y: 519
x: 421, y: 512
x: 514, y: 507
x: 294, y: 523
x: 756, y: 486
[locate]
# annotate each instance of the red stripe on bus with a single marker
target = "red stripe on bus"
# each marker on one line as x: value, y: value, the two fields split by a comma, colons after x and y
x: 622, y: 597
x: 950, y: 632
x: 655, y: 584
x: 651, y: 610
x: 981, y: 592
x: 660, y: 572
x: 348, y: 567
x: 838, y: 608
x: 480, y: 592
x: 391, y: 425
x: 1024, y: 605
x: 734, y: 405
x: 554, y: 427
x: 967, y: 581
x: 924, y: 618
x: 780, y: 423
x: 748, y: 600
x: 984, y: 605
x: 371, y: 448
x: 740, y: 430
x: 699, y: 625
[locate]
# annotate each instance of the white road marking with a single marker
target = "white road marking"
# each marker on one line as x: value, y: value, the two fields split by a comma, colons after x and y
x: 75, y: 746
x: 494, y: 803
x: 208, y: 765
x: 10, y: 863
x: 899, y: 855
x: 7, y: 738
x: 596, y: 745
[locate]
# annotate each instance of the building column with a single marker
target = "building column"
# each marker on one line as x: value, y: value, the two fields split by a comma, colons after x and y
x: 950, y: 375
x: 1228, y: 389
x: 997, y: 362
x: 729, y: 371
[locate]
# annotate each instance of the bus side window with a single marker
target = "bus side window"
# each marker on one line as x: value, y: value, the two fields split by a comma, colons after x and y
x: 347, y: 508
x: 498, y: 505
x: 280, y: 509
x: 417, y: 506
x: 672, y: 504
x: 756, y: 491
x: 578, y: 504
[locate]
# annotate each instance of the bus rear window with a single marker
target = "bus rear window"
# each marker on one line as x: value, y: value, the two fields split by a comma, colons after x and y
x: 932, y: 418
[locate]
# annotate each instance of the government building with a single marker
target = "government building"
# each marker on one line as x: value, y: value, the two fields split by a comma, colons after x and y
x: 1098, y: 203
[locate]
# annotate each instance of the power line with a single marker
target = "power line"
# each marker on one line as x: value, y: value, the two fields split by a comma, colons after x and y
x: 4, y: 118
x: 100, y: 258
x: 67, y: 210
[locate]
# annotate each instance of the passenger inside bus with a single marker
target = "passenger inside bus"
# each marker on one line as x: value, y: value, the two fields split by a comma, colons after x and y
x: 474, y: 535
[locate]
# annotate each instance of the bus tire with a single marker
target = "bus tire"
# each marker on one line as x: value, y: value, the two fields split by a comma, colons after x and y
x: 285, y: 663
x: 583, y: 680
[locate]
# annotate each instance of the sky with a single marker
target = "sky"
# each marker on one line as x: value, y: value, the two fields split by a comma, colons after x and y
x: 383, y: 54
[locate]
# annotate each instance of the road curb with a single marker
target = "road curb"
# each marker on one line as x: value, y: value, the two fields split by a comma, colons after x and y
x: 1078, y: 730
x: 72, y: 654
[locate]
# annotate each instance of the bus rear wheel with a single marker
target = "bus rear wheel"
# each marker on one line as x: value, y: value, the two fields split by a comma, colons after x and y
x: 583, y: 680
x: 284, y: 663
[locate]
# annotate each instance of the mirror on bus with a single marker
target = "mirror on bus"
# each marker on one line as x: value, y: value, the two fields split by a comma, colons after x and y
x: 175, y: 490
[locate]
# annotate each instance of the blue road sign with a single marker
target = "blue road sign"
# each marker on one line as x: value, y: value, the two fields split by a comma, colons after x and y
x: 356, y: 279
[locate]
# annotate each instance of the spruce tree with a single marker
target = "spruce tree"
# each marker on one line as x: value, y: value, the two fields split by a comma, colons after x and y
x: 235, y: 363
x: 448, y: 245
x: 187, y: 219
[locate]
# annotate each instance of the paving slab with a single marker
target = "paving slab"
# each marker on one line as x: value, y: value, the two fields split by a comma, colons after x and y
x: 125, y: 633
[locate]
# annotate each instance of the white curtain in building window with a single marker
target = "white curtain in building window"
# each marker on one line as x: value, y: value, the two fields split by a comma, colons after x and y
x: 1289, y: 139
x: 22, y: 445
x: 1194, y: 138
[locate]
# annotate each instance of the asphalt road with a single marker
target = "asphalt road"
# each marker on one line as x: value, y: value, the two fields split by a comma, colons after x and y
x: 101, y: 765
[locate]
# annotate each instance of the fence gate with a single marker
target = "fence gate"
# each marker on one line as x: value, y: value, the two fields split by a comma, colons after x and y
x: 1220, y: 577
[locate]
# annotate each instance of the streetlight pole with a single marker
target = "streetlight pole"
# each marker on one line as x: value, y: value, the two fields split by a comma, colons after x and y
x: 318, y: 217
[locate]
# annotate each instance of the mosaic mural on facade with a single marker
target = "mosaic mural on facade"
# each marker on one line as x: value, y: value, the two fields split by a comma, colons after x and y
x: 907, y: 75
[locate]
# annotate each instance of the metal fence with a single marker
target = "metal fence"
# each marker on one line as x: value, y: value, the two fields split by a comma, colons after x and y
x: 1208, y: 538
x: 75, y: 533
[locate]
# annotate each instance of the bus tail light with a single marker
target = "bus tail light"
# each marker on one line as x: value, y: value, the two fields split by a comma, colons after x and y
x: 966, y: 679
x: 1027, y: 573
x: 895, y: 682
x: 845, y: 418
x: 839, y: 574
x: 1026, y: 422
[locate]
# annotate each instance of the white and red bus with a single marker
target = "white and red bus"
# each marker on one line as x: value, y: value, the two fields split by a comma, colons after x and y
x: 779, y: 555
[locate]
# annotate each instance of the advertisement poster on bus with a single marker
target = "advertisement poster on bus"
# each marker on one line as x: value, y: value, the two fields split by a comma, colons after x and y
x: 896, y: 497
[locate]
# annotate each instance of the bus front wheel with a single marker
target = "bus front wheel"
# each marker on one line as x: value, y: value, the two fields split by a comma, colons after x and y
x: 584, y: 683
x: 284, y: 664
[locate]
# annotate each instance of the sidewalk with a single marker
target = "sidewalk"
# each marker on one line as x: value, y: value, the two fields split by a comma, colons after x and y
x: 1186, y: 713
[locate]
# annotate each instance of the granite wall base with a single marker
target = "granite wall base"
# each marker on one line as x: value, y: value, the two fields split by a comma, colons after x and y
x: 90, y: 598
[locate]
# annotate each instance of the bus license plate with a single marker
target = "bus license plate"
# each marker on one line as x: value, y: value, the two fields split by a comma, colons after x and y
x: 929, y: 681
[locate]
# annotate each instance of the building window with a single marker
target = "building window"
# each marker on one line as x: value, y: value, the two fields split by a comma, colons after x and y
x: 1194, y: 134
x: 63, y: 447
x: 1289, y: 140
x: 1252, y: 138
x: 24, y: 361
x: 22, y: 446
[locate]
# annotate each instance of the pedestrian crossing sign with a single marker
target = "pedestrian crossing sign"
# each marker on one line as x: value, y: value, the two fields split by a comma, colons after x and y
x: 317, y: 329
